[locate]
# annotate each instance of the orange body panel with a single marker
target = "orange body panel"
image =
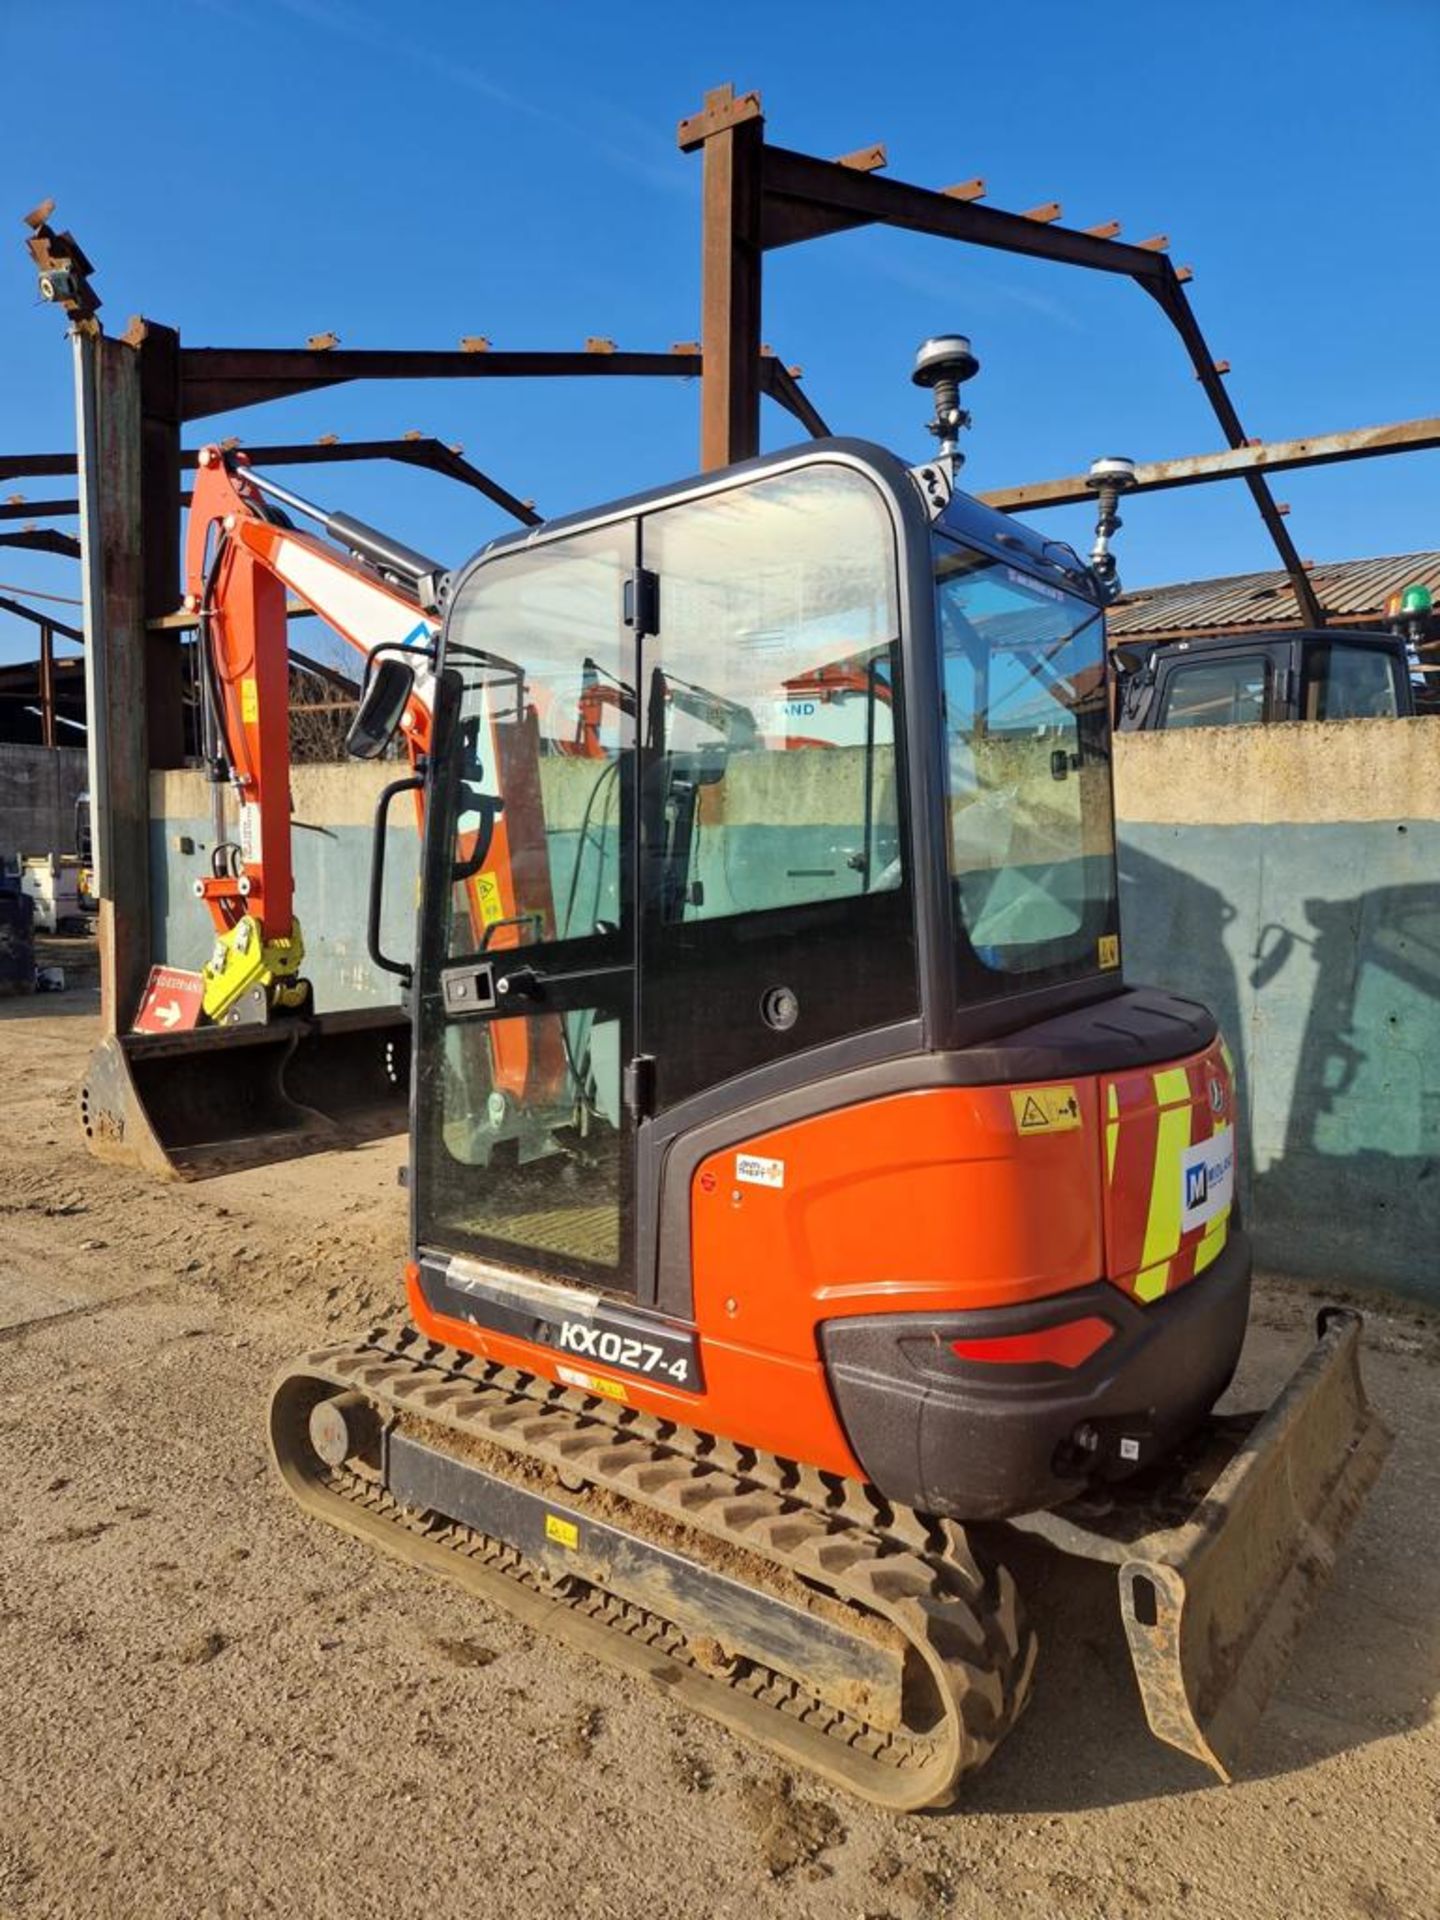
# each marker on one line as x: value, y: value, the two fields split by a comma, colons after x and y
x: 932, y: 1201
x: 757, y: 1400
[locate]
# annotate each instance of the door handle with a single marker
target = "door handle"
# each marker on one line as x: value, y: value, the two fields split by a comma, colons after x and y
x: 523, y: 984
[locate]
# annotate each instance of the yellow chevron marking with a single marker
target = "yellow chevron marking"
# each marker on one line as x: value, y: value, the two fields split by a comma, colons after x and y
x: 1151, y: 1282
x: 1172, y: 1086
x: 1162, y: 1226
x: 1216, y: 1234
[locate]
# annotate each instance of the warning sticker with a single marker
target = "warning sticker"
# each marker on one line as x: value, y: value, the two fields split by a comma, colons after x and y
x: 593, y: 1383
x: 249, y: 701
x: 1108, y: 950
x: 487, y: 894
x: 564, y: 1533
x: 1045, y: 1109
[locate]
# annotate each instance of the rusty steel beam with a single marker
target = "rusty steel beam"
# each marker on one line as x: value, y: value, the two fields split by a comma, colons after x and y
x: 38, y: 509
x: 805, y: 195
x: 39, y: 619
x: 25, y: 466
x: 43, y: 540
x: 423, y: 452
x: 801, y: 197
x: 438, y: 458
x: 1274, y: 456
x: 784, y: 389
x: 1170, y: 295
x: 222, y: 379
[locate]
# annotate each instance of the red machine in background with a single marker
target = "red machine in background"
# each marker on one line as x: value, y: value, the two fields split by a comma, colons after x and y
x: 243, y: 557
x: 264, y: 1076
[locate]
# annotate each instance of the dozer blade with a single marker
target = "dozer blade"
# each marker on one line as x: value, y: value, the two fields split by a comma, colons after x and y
x: 190, y: 1105
x: 1223, y: 1554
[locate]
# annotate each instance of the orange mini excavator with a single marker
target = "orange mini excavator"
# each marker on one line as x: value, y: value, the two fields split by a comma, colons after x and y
x: 863, y: 1212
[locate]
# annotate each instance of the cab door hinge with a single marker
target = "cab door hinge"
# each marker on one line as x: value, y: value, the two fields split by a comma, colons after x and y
x: 640, y: 1086
x: 642, y: 602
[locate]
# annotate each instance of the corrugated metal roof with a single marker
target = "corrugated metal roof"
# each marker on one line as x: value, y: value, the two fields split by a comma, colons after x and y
x: 1353, y: 590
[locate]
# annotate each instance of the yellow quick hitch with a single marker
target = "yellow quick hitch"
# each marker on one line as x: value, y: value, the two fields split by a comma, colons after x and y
x: 244, y: 960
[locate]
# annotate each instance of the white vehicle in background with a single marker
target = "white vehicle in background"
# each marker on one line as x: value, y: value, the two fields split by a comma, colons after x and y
x: 52, y: 882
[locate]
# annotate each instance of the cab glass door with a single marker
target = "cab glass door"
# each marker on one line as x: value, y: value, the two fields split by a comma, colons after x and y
x: 526, y: 998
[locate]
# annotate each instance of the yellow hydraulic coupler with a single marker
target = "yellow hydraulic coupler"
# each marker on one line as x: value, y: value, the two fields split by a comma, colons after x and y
x: 244, y: 960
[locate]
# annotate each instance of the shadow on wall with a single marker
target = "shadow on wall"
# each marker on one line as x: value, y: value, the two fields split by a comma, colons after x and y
x: 1176, y: 929
x: 1361, y: 1148
x: 1331, y: 1003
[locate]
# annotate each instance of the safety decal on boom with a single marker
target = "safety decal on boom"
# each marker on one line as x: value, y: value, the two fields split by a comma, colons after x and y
x: 487, y: 893
x: 1045, y: 1109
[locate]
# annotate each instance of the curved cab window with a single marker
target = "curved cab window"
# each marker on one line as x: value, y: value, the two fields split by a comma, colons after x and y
x: 1031, y: 829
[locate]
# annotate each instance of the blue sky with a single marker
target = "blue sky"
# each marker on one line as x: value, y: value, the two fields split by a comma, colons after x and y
x: 257, y: 173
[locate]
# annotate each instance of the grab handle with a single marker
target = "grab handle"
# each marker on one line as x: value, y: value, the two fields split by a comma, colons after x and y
x: 414, y: 784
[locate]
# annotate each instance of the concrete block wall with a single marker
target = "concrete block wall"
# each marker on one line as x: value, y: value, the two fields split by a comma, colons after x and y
x: 38, y: 789
x: 332, y: 841
x: 1290, y: 877
x: 1287, y: 876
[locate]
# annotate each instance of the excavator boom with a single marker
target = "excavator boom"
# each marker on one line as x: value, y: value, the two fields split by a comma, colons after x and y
x: 265, y: 1076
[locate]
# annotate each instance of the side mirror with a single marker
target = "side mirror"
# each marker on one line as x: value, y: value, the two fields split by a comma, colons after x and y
x: 387, y: 688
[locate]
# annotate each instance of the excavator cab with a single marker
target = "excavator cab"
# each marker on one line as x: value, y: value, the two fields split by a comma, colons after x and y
x: 796, y: 1181
x: 852, y: 805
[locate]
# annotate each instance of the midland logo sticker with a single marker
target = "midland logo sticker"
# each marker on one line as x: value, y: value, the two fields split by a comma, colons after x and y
x: 1207, y: 1180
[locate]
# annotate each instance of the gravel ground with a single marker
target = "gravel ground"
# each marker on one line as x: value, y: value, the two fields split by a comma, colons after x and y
x: 212, y: 1706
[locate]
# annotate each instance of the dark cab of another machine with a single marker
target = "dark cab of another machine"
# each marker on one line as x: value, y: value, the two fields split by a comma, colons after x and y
x: 1260, y: 679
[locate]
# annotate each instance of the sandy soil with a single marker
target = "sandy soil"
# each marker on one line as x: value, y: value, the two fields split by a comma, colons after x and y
x: 212, y: 1706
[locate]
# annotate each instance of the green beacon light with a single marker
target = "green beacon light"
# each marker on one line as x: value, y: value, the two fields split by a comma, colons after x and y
x: 1408, y: 610
x: 1410, y: 605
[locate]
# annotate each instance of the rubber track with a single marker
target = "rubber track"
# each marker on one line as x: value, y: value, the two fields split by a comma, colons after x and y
x: 963, y: 1620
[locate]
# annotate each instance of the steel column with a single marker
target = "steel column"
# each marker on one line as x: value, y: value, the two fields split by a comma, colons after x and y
x: 47, y: 684
x: 732, y: 134
x: 107, y: 411
x: 158, y: 349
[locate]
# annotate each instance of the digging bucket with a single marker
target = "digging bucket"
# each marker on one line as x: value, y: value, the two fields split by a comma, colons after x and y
x: 190, y: 1105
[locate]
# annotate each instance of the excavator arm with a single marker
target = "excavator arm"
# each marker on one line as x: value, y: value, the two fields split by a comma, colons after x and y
x: 244, y: 562
x: 242, y: 1088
